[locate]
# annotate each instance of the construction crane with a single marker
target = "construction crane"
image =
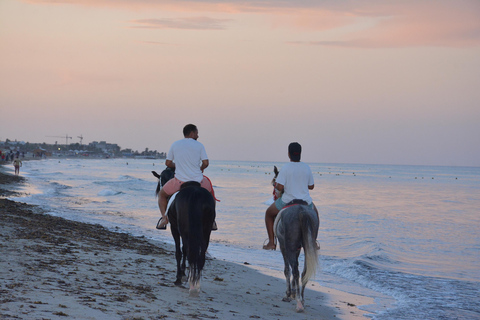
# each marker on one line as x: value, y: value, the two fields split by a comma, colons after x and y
x: 81, y: 138
x: 66, y: 138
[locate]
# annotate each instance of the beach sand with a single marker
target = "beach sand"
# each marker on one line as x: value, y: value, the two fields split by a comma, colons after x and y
x: 53, y: 268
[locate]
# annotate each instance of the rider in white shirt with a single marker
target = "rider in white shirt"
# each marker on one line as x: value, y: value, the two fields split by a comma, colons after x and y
x: 294, y: 180
x: 189, y: 158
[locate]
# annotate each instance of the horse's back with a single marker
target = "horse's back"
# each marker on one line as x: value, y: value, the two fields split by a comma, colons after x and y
x: 290, y: 222
x: 192, y: 193
x: 291, y: 214
x: 194, y: 204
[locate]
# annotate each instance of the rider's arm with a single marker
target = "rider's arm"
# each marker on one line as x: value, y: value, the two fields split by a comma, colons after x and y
x: 311, y: 187
x: 204, y: 165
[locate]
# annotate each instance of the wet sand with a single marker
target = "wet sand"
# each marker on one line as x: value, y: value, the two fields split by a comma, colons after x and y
x: 53, y: 268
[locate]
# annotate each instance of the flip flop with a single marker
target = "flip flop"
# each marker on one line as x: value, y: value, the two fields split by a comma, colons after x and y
x: 159, y: 225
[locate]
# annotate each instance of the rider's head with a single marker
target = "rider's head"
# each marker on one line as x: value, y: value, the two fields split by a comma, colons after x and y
x: 190, y: 131
x: 295, y: 151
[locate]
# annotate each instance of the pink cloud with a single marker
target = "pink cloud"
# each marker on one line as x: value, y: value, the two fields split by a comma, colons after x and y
x: 393, y: 23
x: 415, y: 24
x: 197, y: 23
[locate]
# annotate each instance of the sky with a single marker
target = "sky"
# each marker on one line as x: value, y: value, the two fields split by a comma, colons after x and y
x: 377, y: 82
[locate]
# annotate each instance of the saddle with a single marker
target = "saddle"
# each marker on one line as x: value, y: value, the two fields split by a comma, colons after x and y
x: 295, y: 202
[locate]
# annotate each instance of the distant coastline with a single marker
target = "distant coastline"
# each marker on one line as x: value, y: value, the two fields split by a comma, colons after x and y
x: 25, y: 150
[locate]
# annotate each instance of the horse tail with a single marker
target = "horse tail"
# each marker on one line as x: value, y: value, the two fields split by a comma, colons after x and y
x: 196, y: 242
x: 309, y: 247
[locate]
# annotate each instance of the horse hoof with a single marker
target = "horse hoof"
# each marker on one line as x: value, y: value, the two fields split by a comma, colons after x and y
x: 178, y: 282
x: 194, y: 293
x: 287, y: 299
x: 299, y: 307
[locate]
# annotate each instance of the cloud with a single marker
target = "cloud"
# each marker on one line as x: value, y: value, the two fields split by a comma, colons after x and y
x: 195, y: 23
x: 158, y: 43
x: 346, y: 23
x: 411, y: 24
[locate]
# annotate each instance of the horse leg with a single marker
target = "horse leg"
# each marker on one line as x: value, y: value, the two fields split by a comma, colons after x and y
x: 304, y: 281
x: 296, y: 284
x: 286, y: 271
x: 184, y: 264
x: 194, y: 288
x: 178, y: 256
x: 195, y: 285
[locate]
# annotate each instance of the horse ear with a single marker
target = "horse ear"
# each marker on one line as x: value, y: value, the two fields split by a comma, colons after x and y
x: 275, y: 170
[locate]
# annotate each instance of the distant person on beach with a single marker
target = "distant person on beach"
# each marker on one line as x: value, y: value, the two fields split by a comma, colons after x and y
x: 294, y: 182
x: 189, y: 158
x: 17, y: 164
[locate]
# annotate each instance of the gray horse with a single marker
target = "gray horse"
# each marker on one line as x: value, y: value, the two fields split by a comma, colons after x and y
x: 296, y: 227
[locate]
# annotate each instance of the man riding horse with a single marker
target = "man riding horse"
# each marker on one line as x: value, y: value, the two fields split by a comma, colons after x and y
x: 188, y: 158
x: 292, y: 183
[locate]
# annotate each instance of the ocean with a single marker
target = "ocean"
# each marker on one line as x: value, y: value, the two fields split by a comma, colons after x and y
x: 407, y: 236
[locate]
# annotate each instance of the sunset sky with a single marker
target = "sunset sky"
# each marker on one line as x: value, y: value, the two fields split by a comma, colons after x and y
x: 380, y: 82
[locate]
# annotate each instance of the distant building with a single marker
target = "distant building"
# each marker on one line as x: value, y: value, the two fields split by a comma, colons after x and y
x: 41, y: 153
x: 109, y: 148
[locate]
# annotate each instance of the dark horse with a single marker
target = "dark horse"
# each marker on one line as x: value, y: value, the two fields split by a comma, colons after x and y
x: 296, y: 227
x: 191, y: 215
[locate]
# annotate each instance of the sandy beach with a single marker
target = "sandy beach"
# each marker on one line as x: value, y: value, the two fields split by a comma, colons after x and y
x: 52, y: 268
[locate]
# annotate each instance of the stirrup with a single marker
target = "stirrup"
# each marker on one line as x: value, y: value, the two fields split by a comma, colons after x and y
x: 214, y: 226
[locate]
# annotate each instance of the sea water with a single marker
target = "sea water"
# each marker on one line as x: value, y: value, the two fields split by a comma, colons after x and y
x: 408, y: 236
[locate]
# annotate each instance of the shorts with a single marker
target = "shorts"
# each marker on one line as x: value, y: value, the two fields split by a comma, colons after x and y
x: 280, y: 204
x: 173, y: 185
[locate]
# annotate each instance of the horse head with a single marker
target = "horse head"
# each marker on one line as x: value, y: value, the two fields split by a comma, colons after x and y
x: 163, y: 178
x: 276, y: 193
x: 275, y: 172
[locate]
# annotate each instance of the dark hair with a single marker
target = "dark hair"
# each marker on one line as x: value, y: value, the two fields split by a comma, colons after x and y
x: 188, y: 129
x: 295, y: 151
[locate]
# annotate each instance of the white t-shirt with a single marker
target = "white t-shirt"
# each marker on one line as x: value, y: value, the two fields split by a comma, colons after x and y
x: 187, y: 154
x: 296, y: 177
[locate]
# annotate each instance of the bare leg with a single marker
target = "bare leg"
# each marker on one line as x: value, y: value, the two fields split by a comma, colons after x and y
x: 270, y: 215
x: 162, y: 204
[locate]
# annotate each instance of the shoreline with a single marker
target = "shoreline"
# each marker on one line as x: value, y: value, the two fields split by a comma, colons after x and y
x: 53, y: 268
